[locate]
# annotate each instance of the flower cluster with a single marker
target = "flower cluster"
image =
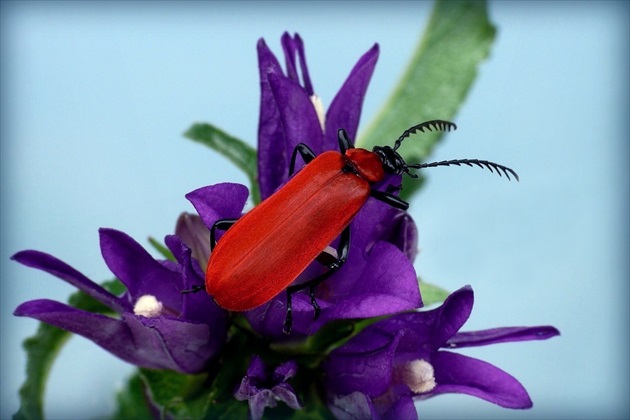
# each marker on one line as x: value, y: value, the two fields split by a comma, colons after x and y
x: 157, y: 326
x: 377, y: 371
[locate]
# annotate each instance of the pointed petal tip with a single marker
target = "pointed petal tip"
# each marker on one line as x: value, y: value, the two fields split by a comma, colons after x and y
x: 371, y: 54
x: 456, y: 373
x: 464, y: 292
x: 24, y: 255
x: 109, y: 236
x: 547, y: 331
x: 22, y: 309
x: 108, y: 232
x: 32, y: 308
x: 285, y: 37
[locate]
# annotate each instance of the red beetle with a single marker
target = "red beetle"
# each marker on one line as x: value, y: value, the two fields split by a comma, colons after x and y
x: 264, y: 251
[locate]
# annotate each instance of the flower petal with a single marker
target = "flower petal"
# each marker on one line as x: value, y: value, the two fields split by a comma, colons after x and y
x: 256, y: 369
x: 291, y: 46
x: 111, y: 334
x: 197, y: 307
x: 259, y: 401
x: 272, y: 160
x: 306, y: 78
x: 174, y: 344
x: 191, y: 229
x: 60, y: 269
x: 461, y: 374
x: 287, y: 117
x: 297, y: 115
x: 255, y: 386
x: 387, y: 284
x: 403, y: 408
x: 450, y: 316
x: 137, y: 269
x: 364, y: 364
x: 403, y: 233
x: 426, y: 331
x: 345, y: 109
x: 285, y: 392
x: 501, y: 335
x: 356, y: 406
x: 377, y: 221
x: 429, y: 330
x: 285, y: 371
x: 219, y: 201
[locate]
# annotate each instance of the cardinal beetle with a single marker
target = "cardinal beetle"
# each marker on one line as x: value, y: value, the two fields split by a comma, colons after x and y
x: 264, y: 251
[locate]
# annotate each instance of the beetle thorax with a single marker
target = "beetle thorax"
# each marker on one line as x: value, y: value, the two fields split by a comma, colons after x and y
x: 365, y: 164
x: 391, y: 161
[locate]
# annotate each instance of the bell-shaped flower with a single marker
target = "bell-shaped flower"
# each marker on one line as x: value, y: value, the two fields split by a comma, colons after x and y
x: 263, y: 388
x: 157, y: 326
x: 393, y: 361
x: 291, y: 112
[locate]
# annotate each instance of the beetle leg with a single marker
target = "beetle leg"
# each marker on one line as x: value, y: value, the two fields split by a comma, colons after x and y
x: 316, y: 308
x: 306, y: 153
x: 223, y: 224
x: 288, y: 321
x: 333, y: 266
x: 194, y: 289
x: 390, y: 199
x: 344, y: 141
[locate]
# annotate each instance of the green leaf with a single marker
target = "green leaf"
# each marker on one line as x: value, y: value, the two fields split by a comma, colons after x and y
x: 227, y: 410
x: 166, y: 253
x: 132, y: 401
x: 42, y: 349
x: 432, y: 294
x: 233, y: 364
x: 177, y: 393
x: 457, y: 39
x: 237, y: 151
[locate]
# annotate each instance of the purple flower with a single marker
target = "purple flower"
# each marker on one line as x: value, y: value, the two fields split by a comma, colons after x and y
x: 262, y: 388
x: 390, y: 362
x: 378, y: 277
x: 158, y: 326
x: 194, y: 233
x: 291, y: 113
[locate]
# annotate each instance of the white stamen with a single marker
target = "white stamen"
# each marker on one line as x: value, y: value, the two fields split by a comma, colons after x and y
x: 148, y: 306
x: 319, y: 109
x: 418, y: 375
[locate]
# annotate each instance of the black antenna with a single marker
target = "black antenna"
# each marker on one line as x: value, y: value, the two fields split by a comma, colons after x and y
x: 437, y: 125
x: 470, y: 162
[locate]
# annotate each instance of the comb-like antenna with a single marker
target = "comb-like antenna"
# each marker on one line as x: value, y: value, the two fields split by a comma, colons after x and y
x: 470, y: 162
x: 438, y: 125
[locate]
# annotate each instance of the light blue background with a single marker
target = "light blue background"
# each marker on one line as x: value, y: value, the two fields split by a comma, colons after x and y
x: 95, y: 97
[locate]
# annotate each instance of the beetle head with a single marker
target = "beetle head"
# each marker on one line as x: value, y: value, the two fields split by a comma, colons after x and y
x: 392, y: 162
